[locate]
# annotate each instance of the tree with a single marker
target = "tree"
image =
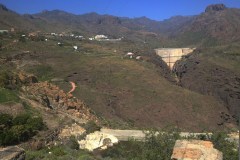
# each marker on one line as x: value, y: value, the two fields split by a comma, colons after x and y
x: 6, y: 120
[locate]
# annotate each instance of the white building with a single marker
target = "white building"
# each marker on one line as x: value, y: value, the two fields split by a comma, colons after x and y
x: 130, y: 54
x: 101, y: 37
x: 75, y: 47
x: 53, y: 34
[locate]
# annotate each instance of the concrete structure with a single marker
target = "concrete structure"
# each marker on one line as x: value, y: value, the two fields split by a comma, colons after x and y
x: 171, y: 55
x: 125, y: 135
x: 195, y: 150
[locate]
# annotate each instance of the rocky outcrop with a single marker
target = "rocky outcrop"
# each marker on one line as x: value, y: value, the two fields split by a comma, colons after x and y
x: 53, y: 97
x: 98, y: 140
x: 27, y: 78
x: 13, y: 80
x: 195, y: 150
x: 12, y: 153
x: 73, y: 130
x: 215, y: 7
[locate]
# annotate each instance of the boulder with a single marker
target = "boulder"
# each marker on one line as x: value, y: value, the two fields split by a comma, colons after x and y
x: 73, y: 130
x: 98, y: 140
x: 195, y: 150
x: 12, y: 153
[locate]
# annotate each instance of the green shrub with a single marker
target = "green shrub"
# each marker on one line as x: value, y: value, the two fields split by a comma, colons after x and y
x: 8, y: 96
x: 6, y: 120
x: 58, y: 151
x: 18, y: 129
x: 21, y: 119
x: 35, y: 123
x: 73, y: 143
x: 229, y: 149
x: 91, y: 127
x: 3, y: 78
x: 7, y: 137
x: 155, y: 146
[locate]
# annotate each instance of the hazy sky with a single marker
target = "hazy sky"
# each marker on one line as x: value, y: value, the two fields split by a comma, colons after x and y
x: 154, y: 9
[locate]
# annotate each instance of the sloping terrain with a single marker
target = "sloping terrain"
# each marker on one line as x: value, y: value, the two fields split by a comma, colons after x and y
x: 10, y: 19
x: 218, y: 75
x: 127, y: 93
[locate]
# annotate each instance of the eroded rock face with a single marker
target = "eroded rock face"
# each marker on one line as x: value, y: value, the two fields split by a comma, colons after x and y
x: 73, y: 130
x: 53, y: 97
x: 195, y: 150
x: 12, y: 153
x: 98, y: 140
x: 27, y: 78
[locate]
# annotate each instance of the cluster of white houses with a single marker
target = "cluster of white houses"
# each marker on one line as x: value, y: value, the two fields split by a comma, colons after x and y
x: 100, y: 37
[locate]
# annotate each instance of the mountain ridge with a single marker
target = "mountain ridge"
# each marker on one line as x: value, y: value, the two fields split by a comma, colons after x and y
x: 216, y: 25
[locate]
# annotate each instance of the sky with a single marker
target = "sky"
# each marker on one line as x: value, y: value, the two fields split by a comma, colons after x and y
x: 154, y: 9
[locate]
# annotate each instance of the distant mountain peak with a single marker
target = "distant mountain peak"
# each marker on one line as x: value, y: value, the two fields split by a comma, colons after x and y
x: 215, y: 7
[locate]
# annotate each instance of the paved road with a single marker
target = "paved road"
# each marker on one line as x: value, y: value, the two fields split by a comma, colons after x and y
x: 125, y: 135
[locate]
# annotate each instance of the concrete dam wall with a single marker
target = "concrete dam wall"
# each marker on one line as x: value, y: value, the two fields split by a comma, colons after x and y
x: 171, y: 55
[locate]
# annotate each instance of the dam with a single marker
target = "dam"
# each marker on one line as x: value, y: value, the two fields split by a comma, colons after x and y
x: 171, y: 55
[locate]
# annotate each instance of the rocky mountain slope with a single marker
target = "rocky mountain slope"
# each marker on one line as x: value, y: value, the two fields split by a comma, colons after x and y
x: 214, y: 79
x: 216, y: 26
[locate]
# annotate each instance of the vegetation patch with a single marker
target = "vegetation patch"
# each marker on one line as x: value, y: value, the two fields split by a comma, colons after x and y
x: 8, y: 96
x: 59, y: 153
x: 43, y: 72
x: 154, y: 147
x: 20, y: 128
